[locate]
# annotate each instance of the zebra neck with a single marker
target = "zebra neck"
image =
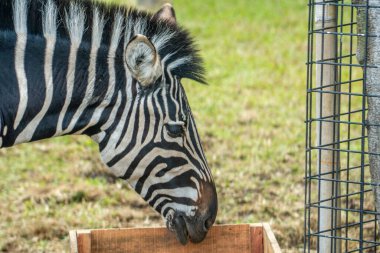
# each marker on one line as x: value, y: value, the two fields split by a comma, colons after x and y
x: 52, y: 87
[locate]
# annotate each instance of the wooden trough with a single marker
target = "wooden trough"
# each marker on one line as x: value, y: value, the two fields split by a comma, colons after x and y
x: 244, y: 238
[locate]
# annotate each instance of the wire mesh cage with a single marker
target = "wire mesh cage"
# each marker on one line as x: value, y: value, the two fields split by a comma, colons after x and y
x: 342, y: 127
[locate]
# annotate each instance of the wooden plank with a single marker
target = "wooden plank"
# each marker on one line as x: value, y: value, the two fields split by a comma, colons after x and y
x: 257, y: 238
x: 73, y: 241
x: 270, y: 243
x: 254, y: 238
x: 84, y: 241
x: 224, y: 238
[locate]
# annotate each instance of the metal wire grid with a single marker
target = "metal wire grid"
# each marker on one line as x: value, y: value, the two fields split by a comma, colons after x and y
x: 353, y: 223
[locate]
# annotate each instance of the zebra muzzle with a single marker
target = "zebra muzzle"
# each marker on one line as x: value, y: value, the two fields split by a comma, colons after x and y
x: 180, y: 230
x: 176, y: 223
x: 186, y: 229
x: 195, y: 227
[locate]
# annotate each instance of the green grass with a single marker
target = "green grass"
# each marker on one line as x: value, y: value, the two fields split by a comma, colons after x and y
x: 250, y: 118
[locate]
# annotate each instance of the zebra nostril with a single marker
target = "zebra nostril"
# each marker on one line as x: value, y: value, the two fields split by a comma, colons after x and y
x: 208, y: 223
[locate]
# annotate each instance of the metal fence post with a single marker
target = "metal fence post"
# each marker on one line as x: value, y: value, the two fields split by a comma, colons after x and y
x: 326, y: 104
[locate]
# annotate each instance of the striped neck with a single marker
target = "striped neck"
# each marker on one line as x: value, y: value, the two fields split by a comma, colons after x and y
x: 61, y: 88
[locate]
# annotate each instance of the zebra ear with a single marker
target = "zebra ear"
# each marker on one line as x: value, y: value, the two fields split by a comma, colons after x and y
x: 143, y: 60
x: 166, y: 13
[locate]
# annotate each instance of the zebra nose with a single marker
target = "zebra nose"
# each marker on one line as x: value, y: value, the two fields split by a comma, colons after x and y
x: 209, y: 206
x: 208, y: 223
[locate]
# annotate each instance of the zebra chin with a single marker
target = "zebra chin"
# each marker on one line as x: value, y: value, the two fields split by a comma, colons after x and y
x: 195, y: 227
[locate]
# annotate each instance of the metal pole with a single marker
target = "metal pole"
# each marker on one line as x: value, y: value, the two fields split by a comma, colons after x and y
x: 326, y: 104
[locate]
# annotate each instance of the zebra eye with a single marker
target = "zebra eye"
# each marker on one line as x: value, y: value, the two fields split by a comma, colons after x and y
x: 175, y: 129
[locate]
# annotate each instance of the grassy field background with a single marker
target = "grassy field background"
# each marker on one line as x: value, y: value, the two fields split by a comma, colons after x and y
x: 250, y: 118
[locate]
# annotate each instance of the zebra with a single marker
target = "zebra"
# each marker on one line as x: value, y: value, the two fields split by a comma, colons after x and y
x: 114, y: 74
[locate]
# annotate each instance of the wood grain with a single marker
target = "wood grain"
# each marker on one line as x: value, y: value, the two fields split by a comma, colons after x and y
x: 270, y: 242
x: 84, y: 241
x: 257, y: 238
x: 231, y: 238
x: 73, y: 241
x: 243, y: 238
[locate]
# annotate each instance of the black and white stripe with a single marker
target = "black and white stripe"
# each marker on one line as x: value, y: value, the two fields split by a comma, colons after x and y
x: 79, y: 68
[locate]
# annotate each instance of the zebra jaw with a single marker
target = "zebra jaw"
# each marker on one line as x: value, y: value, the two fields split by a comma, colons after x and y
x: 176, y: 223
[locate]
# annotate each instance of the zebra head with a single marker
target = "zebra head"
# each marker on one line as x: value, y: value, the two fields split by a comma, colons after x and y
x: 113, y: 73
x: 157, y: 150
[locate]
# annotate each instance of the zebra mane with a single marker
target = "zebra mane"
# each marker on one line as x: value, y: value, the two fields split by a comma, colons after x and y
x: 113, y: 26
